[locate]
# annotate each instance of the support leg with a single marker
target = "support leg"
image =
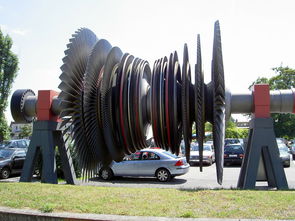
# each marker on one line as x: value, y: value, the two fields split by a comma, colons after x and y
x: 29, y: 165
x: 66, y: 159
x: 49, y: 174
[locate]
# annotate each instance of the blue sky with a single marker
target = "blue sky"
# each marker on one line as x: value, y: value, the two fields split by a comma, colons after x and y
x: 256, y: 35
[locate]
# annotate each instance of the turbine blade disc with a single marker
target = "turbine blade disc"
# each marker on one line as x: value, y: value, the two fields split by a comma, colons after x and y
x: 73, y: 70
x: 218, y: 102
x: 199, y: 102
x: 185, y: 107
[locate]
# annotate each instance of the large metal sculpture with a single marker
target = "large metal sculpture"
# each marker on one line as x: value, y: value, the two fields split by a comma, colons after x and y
x: 110, y: 100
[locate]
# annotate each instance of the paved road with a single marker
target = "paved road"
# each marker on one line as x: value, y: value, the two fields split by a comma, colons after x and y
x: 194, y: 179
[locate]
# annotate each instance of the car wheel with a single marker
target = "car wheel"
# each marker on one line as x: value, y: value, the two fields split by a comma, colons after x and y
x: 163, y: 175
x: 106, y: 173
x: 287, y: 165
x: 5, y: 173
x: 210, y: 162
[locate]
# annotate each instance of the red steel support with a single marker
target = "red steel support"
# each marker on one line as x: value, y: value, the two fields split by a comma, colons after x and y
x: 261, y: 101
x: 44, y: 103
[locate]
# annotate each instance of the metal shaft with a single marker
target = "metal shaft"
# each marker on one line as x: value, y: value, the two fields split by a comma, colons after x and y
x: 281, y: 101
x: 30, y: 106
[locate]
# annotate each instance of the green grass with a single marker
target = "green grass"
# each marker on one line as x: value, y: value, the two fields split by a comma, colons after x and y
x: 149, y: 201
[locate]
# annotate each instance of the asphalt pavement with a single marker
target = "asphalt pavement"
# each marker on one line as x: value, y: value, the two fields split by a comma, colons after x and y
x: 194, y: 179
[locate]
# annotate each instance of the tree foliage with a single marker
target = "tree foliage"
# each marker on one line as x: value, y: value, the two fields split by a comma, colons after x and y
x: 26, y: 131
x: 232, y: 131
x: 208, y: 127
x: 8, y: 70
x: 284, y: 124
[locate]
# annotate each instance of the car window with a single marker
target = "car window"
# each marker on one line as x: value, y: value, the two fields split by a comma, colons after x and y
x: 150, y: 156
x: 194, y: 147
x: 231, y: 141
x: 135, y: 156
x: 27, y: 142
x: 145, y: 155
x: 21, y: 144
x: 235, y: 148
x: 11, y: 144
x: 207, y: 147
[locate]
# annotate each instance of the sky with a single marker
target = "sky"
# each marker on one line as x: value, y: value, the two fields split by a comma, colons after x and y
x: 256, y: 35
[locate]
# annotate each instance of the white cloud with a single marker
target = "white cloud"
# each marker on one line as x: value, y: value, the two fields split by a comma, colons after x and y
x: 21, y: 32
x: 3, y: 27
x: 16, y: 31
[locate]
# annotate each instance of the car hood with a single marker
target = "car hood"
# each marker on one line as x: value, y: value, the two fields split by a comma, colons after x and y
x: 205, y: 153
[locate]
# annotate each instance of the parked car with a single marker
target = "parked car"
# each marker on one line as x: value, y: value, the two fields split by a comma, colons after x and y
x: 209, y: 142
x: 284, y: 154
x: 11, y: 161
x: 208, y: 154
x: 21, y: 143
x: 233, y: 154
x: 148, y: 162
x: 292, y: 149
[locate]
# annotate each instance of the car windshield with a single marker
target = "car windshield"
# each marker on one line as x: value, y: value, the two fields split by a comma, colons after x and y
x: 195, y: 147
x: 233, y: 141
x: 207, y: 147
x: 234, y: 148
x: 6, y: 153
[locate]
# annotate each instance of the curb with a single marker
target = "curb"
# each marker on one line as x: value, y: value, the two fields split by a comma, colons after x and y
x: 9, y: 214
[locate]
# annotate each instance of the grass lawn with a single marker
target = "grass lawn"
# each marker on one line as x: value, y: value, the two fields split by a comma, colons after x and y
x: 149, y: 201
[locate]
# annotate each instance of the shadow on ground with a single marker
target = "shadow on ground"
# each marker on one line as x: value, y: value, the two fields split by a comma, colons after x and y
x: 138, y: 180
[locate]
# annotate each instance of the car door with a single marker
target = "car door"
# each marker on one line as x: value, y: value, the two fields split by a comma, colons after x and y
x: 127, y: 167
x: 148, y: 164
x: 18, y: 159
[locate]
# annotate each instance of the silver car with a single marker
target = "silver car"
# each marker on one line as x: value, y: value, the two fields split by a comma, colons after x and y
x: 148, y: 162
x: 284, y: 154
x: 208, y: 154
x: 293, y: 151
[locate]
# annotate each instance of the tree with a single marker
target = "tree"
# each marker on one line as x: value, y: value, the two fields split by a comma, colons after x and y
x: 284, y: 124
x: 232, y: 131
x: 8, y: 70
x: 208, y: 127
x: 26, y: 131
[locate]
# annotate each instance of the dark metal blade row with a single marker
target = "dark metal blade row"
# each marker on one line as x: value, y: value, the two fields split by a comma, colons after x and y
x: 111, y: 99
